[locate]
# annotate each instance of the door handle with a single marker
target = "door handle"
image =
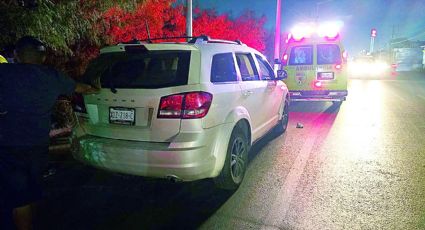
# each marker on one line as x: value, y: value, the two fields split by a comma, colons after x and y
x: 247, y: 93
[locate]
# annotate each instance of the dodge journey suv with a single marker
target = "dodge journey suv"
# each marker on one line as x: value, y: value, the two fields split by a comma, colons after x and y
x: 183, y: 111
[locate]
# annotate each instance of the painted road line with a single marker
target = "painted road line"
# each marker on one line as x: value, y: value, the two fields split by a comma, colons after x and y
x: 284, y: 197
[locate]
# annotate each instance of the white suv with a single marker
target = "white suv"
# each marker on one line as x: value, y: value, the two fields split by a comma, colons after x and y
x: 183, y: 111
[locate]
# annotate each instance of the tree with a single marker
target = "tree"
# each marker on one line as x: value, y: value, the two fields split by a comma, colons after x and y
x: 75, y: 30
x: 72, y: 30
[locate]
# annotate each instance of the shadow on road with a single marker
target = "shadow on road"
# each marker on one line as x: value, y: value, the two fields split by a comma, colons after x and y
x: 78, y: 197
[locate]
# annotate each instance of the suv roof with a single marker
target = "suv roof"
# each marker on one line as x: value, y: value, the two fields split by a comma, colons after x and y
x: 193, y: 44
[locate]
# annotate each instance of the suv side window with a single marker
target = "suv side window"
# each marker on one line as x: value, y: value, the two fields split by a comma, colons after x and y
x: 247, y: 67
x: 266, y: 71
x: 223, y: 68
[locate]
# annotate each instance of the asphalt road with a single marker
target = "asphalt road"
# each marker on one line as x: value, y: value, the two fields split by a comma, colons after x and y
x: 360, y: 166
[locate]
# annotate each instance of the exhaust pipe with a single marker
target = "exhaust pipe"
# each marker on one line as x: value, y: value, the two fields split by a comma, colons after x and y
x: 173, y: 178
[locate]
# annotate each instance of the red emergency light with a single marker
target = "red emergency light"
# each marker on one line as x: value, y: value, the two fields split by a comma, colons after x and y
x: 329, y: 30
x: 373, y: 32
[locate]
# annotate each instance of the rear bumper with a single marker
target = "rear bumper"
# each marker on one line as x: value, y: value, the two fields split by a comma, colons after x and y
x: 193, y: 159
x: 318, y: 95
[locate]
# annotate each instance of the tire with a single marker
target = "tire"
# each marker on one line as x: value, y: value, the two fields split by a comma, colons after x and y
x: 282, y: 125
x: 234, y: 168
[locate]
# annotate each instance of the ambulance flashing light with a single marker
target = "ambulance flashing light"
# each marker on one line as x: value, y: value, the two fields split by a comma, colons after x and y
x: 328, y: 30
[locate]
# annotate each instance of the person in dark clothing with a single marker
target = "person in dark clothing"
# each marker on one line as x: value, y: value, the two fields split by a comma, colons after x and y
x: 28, y: 91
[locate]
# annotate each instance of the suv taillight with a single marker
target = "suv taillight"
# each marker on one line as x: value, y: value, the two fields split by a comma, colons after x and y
x: 78, y: 103
x: 285, y: 60
x: 185, y: 105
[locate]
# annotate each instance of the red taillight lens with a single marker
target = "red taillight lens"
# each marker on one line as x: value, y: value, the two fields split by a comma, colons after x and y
x: 171, y: 106
x: 196, y: 105
x: 338, y: 66
x: 318, y: 84
x: 185, y: 106
x: 285, y: 60
x: 345, y: 55
x: 78, y: 103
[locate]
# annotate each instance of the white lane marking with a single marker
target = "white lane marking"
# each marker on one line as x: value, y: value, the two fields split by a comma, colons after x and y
x: 283, y: 199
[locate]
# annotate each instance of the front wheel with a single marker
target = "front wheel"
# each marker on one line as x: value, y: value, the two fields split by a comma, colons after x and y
x: 234, y: 168
x: 283, y: 122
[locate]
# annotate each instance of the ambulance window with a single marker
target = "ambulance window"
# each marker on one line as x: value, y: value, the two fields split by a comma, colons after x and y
x: 266, y: 71
x: 247, y: 67
x: 301, y: 55
x: 328, y: 54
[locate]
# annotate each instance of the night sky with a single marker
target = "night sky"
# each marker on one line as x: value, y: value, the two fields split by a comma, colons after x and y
x: 403, y: 18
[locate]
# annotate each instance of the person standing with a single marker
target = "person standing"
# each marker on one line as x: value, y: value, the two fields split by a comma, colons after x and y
x: 28, y: 91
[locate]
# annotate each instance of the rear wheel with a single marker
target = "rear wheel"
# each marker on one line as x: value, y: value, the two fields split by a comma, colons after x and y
x: 234, y: 168
x: 283, y: 122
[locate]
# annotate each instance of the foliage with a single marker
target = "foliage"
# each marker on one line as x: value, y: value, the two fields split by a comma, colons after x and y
x: 162, y: 19
x: 75, y: 29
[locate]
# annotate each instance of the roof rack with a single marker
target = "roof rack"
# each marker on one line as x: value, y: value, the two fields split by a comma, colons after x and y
x: 149, y: 40
x: 207, y: 39
x: 193, y: 40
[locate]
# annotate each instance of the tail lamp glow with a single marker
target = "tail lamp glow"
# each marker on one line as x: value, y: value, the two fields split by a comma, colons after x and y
x: 338, y: 66
x: 285, y: 59
x: 318, y: 84
x: 189, y: 105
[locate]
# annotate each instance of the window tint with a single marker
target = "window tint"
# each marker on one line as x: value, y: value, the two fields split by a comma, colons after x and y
x: 150, y: 69
x: 266, y: 71
x: 301, y: 55
x: 328, y: 54
x: 247, y: 67
x: 223, y: 68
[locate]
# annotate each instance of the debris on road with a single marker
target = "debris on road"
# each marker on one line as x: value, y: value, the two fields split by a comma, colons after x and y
x: 300, y: 126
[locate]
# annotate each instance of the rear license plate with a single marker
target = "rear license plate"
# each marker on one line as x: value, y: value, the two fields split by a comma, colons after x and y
x: 123, y: 116
x: 325, y: 76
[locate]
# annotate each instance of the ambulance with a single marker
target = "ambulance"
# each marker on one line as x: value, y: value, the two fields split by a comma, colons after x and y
x: 316, y: 63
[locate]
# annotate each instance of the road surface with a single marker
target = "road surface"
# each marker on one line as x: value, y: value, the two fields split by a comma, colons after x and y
x: 360, y: 166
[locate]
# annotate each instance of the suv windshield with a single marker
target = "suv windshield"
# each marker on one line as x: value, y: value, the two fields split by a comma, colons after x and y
x: 328, y: 54
x: 149, y: 69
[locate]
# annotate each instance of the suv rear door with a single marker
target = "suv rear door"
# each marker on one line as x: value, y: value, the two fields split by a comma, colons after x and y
x: 133, y: 83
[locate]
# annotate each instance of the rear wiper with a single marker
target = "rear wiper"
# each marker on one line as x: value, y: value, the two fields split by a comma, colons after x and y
x: 111, y: 80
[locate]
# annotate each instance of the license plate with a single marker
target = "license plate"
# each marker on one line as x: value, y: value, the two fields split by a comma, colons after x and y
x: 123, y: 116
x: 326, y: 76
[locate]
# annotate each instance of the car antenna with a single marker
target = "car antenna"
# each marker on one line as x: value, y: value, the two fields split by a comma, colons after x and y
x: 147, y: 30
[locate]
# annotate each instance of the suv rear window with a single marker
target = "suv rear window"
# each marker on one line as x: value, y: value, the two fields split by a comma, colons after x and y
x: 301, y: 55
x: 328, y: 54
x: 149, y: 69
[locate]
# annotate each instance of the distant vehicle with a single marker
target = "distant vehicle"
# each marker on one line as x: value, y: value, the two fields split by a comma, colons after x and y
x: 367, y: 66
x: 408, y: 59
x: 183, y: 111
x: 315, y: 61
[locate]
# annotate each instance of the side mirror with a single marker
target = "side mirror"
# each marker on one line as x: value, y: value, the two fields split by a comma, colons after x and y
x: 282, y: 74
